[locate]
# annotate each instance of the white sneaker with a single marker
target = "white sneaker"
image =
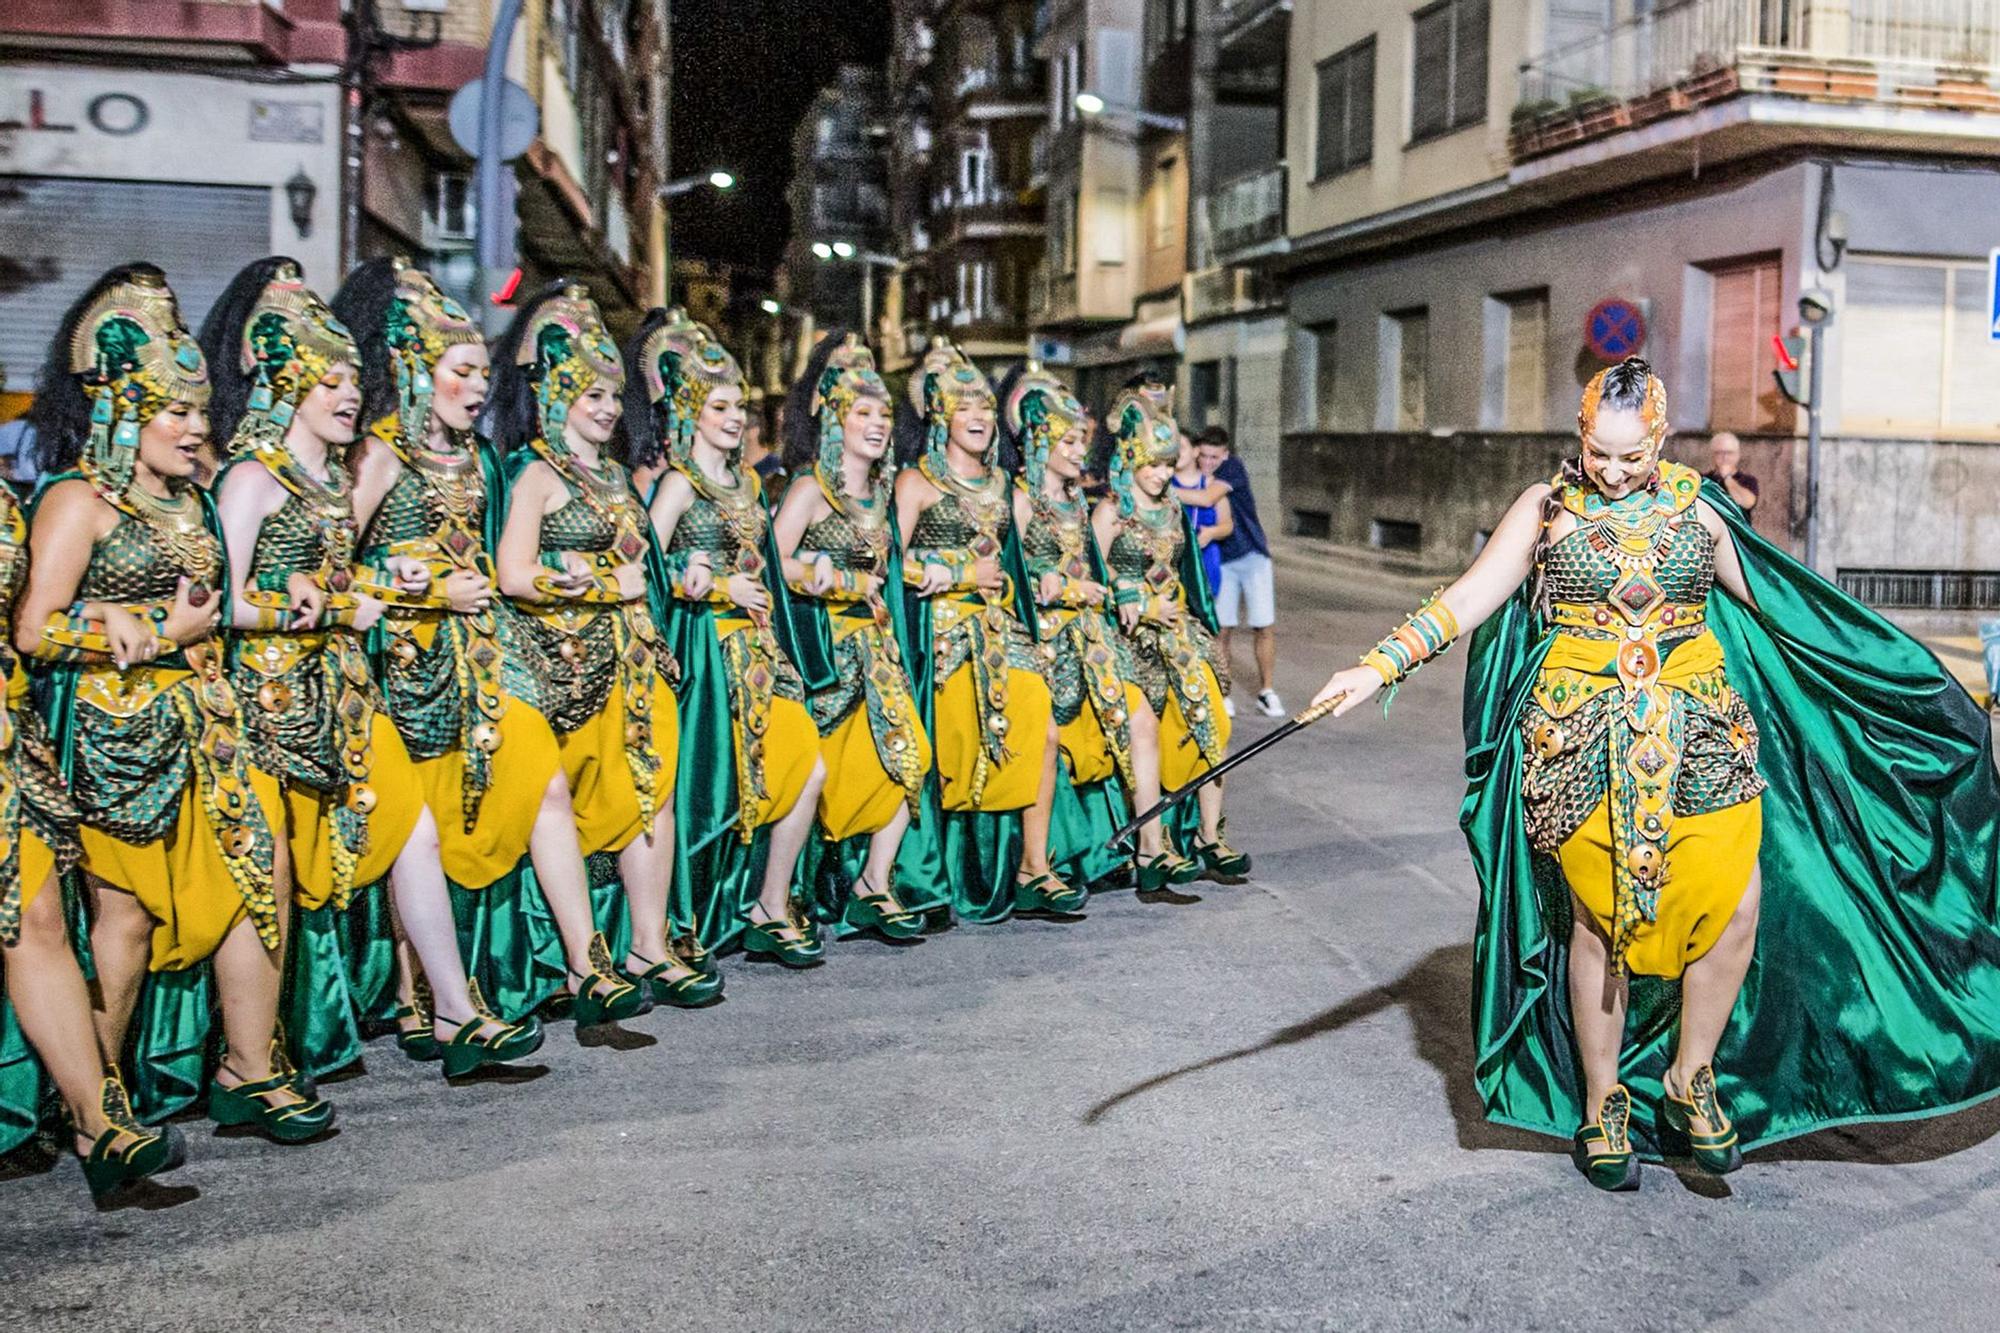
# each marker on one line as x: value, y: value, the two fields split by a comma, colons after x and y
x: 1228, y: 706
x: 1269, y: 704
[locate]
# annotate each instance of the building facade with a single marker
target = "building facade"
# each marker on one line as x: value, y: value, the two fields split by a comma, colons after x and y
x: 839, y: 196
x: 202, y: 136
x: 968, y: 99
x: 1471, y: 181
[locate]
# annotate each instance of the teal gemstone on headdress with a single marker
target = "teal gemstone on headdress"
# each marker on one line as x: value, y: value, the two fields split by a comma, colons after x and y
x: 100, y: 411
x: 261, y: 398
x: 188, y: 357
x: 127, y: 434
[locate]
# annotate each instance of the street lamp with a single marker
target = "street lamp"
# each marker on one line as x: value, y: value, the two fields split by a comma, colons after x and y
x: 822, y: 250
x: 845, y: 249
x: 1816, y: 309
x: 770, y: 307
x: 720, y: 180
x: 1090, y: 104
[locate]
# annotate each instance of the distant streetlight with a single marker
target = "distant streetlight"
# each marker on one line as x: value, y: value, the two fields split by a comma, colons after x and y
x: 868, y: 259
x: 770, y: 307
x: 720, y: 180
x: 845, y: 249
x: 822, y: 249
x: 1090, y: 104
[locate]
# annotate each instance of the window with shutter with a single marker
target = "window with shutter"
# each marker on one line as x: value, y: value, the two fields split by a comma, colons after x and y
x: 1325, y: 369
x: 1916, y: 354
x: 1746, y: 311
x: 1526, y: 393
x: 1448, y: 67
x: 1413, y: 354
x: 1345, y: 128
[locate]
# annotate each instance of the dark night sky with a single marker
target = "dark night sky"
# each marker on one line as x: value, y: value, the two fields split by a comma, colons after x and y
x: 744, y: 72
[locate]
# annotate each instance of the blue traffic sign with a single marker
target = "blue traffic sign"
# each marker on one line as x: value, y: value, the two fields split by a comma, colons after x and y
x: 1615, y: 329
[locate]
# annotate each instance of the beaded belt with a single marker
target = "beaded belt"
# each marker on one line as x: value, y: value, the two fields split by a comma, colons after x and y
x: 1666, y: 618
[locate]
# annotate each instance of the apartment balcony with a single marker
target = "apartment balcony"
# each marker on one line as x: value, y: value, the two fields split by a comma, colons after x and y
x: 988, y: 92
x: 986, y: 214
x: 1241, y: 219
x: 1863, y: 56
x: 1217, y: 293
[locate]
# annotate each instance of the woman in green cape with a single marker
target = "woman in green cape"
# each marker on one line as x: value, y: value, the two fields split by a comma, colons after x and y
x: 1104, y: 732
x: 750, y: 753
x: 972, y: 657
x: 46, y: 1019
x: 835, y: 535
x: 1655, y: 766
x: 572, y: 556
x: 181, y: 870
x: 1167, y: 623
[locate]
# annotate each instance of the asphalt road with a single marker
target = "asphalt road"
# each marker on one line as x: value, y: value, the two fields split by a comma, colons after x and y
x: 1247, y: 1110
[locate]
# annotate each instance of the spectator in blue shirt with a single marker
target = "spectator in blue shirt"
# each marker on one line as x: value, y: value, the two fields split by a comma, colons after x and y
x: 1247, y: 592
x: 17, y: 452
x: 1208, y: 505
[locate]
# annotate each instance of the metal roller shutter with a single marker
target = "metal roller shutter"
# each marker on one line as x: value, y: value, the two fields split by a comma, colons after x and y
x: 57, y: 234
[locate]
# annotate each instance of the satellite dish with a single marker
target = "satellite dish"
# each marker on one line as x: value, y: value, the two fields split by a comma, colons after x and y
x: 520, y: 118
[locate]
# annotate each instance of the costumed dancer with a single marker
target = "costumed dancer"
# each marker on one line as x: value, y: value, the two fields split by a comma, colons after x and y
x: 1168, y: 620
x: 750, y: 751
x: 573, y: 556
x: 288, y: 400
x: 973, y: 658
x: 124, y: 592
x: 1103, y: 730
x: 1649, y: 765
x: 835, y: 536
x: 47, y: 998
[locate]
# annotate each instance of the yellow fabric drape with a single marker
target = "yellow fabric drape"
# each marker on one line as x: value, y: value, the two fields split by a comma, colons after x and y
x: 608, y: 814
x: 1009, y: 786
x: 1181, y: 760
x: 181, y: 880
x: 309, y: 830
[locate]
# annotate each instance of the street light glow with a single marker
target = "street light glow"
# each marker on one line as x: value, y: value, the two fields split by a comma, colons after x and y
x: 844, y: 249
x: 721, y: 180
x: 1090, y: 104
x: 770, y: 307
x: 822, y: 249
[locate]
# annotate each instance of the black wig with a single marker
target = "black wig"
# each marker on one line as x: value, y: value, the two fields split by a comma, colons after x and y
x: 362, y: 304
x: 222, y: 344
x: 511, y: 419
x: 642, y: 426
x: 799, y: 450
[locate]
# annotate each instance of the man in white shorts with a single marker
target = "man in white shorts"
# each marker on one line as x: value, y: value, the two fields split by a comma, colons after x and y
x: 1247, y: 594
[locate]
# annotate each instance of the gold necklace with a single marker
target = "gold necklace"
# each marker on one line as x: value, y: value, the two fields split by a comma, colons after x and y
x: 177, y: 525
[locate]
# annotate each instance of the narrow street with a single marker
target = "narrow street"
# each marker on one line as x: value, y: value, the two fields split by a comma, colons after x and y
x: 1250, y: 1110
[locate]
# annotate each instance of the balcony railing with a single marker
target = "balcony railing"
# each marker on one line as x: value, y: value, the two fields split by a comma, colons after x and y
x: 1922, y: 53
x: 1242, y: 213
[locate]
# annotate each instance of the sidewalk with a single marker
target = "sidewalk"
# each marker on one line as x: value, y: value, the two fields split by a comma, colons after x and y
x: 1955, y: 639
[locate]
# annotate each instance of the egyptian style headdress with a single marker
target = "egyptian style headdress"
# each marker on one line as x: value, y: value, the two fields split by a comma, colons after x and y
x: 947, y: 389
x: 289, y: 343
x: 1141, y: 435
x: 849, y: 376
x: 422, y: 324
x: 133, y: 356
x: 683, y: 364
x: 1041, y: 410
x: 566, y: 353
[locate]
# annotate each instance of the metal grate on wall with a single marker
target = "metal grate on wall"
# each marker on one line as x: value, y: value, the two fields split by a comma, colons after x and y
x: 1924, y: 589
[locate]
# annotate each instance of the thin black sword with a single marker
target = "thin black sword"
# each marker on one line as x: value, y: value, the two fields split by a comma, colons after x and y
x: 1298, y: 722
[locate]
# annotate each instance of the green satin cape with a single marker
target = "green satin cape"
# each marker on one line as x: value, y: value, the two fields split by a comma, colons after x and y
x: 1875, y: 992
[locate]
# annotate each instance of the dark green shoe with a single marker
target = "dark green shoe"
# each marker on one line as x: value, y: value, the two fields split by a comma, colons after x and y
x: 1221, y: 862
x: 1716, y: 1151
x: 1169, y: 867
x: 488, y: 1039
x: 605, y: 996
x: 283, y: 1108
x: 1045, y: 895
x: 882, y: 913
x: 792, y: 942
x: 128, y: 1150
x: 679, y: 983
x: 1615, y: 1170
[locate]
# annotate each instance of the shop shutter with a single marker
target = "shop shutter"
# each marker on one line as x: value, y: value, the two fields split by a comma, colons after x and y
x: 1526, y: 399
x: 1742, y: 394
x: 57, y: 235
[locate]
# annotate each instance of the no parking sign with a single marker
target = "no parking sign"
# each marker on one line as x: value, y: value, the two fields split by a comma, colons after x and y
x: 1615, y: 329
